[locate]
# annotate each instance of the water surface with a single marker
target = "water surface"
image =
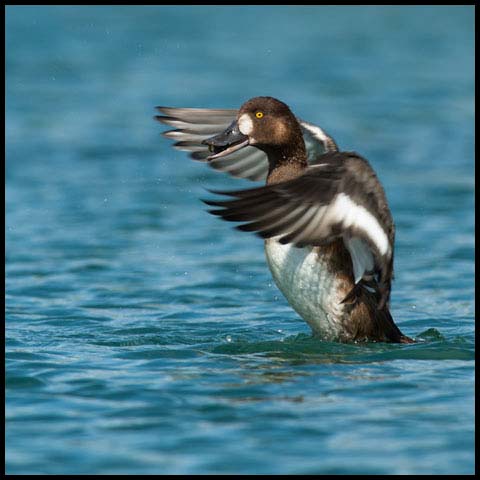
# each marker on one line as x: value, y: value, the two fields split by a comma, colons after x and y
x: 145, y: 336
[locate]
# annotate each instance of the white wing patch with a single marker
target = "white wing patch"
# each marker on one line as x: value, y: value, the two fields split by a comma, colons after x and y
x: 353, y: 215
x: 362, y: 258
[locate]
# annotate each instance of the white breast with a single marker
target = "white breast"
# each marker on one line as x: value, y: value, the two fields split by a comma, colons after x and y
x: 303, y: 276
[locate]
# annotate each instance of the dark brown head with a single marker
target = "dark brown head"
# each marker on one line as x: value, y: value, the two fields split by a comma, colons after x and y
x: 268, y: 122
x: 265, y: 123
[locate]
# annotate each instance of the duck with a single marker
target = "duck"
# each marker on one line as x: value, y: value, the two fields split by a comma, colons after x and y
x: 322, y: 212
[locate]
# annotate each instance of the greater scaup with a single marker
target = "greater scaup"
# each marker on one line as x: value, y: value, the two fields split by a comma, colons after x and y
x: 329, y: 234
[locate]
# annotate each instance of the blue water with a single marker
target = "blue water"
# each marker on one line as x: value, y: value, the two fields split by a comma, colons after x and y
x: 144, y: 335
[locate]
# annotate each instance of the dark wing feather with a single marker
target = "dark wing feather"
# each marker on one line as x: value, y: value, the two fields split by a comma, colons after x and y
x: 334, y: 199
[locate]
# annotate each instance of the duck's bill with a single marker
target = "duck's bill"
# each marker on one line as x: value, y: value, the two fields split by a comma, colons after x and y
x: 226, y: 142
x: 218, y: 152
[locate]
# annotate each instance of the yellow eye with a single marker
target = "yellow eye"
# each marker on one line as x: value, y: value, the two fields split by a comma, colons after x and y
x: 259, y: 114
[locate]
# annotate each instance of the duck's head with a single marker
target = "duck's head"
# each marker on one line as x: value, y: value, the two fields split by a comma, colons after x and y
x: 263, y: 122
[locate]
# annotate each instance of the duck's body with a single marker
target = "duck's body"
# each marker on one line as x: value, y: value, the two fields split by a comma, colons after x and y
x: 313, y: 288
x: 328, y: 231
x: 316, y: 280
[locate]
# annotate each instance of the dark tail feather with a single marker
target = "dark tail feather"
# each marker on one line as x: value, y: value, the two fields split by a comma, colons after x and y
x: 381, y: 326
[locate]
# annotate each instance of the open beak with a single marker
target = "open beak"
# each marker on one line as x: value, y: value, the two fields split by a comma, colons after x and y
x: 226, y: 142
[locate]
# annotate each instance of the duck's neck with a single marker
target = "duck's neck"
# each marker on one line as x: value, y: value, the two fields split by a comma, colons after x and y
x: 286, y: 162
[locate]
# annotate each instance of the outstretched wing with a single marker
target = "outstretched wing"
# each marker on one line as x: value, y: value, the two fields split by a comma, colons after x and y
x: 330, y: 200
x: 192, y: 125
x: 317, y: 141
